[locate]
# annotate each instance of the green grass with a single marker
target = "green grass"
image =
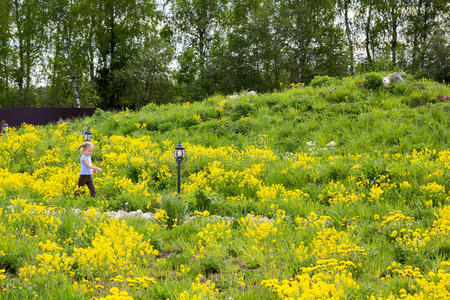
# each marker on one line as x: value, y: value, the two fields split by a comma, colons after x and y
x: 377, y: 133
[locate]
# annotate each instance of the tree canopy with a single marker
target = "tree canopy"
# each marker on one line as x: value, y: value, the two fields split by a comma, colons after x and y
x: 128, y: 53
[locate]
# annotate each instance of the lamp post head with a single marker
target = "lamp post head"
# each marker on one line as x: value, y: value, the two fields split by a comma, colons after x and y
x: 87, y: 135
x: 179, y: 153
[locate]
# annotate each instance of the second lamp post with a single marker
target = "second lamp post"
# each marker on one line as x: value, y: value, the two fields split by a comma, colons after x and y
x: 5, y: 127
x: 87, y: 135
x: 179, y: 156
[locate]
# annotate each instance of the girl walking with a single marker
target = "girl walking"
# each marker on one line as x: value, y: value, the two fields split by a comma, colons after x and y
x: 87, y: 168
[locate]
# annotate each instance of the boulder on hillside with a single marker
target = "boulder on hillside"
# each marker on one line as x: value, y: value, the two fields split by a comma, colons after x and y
x: 393, y: 77
x: 443, y: 98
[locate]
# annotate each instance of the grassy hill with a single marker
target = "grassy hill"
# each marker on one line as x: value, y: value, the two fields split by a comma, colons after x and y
x: 340, y: 189
x: 399, y: 118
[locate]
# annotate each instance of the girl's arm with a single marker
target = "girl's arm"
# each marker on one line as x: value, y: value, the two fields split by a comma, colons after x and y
x: 85, y: 162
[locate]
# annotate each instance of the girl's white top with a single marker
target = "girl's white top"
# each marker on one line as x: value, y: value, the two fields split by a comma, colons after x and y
x: 84, y: 169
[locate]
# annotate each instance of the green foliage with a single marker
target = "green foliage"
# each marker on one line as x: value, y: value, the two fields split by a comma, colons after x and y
x: 133, y: 173
x: 99, y: 113
x: 342, y: 95
x: 201, y: 200
x: 420, y: 97
x: 70, y: 223
x: 379, y: 144
x: 373, y: 80
x: 240, y: 109
x: 14, y: 253
x: 99, y: 60
x: 401, y: 88
x: 210, y: 265
x: 321, y: 81
x: 175, y: 208
x: 127, y: 202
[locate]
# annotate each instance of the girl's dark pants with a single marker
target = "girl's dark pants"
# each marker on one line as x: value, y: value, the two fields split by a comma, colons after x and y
x: 87, y: 180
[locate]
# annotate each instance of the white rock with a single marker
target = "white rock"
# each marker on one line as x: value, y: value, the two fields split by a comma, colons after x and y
x: 112, y: 214
x: 147, y: 216
x: 121, y: 214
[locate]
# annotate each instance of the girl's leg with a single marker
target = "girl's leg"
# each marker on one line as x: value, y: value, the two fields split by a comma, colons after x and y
x: 90, y: 184
x: 83, y: 180
x: 80, y: 183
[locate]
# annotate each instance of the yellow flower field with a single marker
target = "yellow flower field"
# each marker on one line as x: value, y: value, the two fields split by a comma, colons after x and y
x: 250, y: 223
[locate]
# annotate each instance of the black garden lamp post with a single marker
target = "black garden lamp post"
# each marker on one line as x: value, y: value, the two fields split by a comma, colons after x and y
x: 179, y: 155
x: 87, y: 135
x: 5, y: 127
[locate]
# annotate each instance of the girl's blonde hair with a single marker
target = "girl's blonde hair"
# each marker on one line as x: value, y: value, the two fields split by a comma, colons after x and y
x: 85, y: 145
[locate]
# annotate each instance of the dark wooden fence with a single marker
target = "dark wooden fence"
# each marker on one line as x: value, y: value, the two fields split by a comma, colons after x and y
x: 41, y: 116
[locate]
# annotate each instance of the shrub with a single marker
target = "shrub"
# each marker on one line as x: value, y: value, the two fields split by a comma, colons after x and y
x: 14, y: 253
x: 11, y: 262
x: 127, y: 128
x: 132, y: 173
x: 340, y: 95
x: 175, y: 208
x: 373, y: 169
x: 400, y: 88
x: 69, y: 224
x: 337, y: 172
x: 202, y: 201
x: 373, y: 80
x: 152, y: 124
x: 319, y: 81
x: 165, y: 126
x: 210, y: 265
x: 243, y: 126
x: 416, y: 98
x: 218, y: 127
x: 348, y: 109
x: 242, y: 109
x: 189, y: 122
x: 99, y: 113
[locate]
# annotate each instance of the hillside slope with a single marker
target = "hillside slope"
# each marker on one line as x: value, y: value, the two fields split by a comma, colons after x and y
x: 335, y: 191
x: 400, y: 118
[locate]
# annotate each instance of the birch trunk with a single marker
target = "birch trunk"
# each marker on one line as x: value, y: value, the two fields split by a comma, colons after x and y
x: 367, y: 32
x: 394, y: 36
x: 75, y: 90
x: 349, y: 37
x: 300, y: 64
x: 416, y: 36
x: 207, y: 34
x: 72, y: 66
x: 20, y: 76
